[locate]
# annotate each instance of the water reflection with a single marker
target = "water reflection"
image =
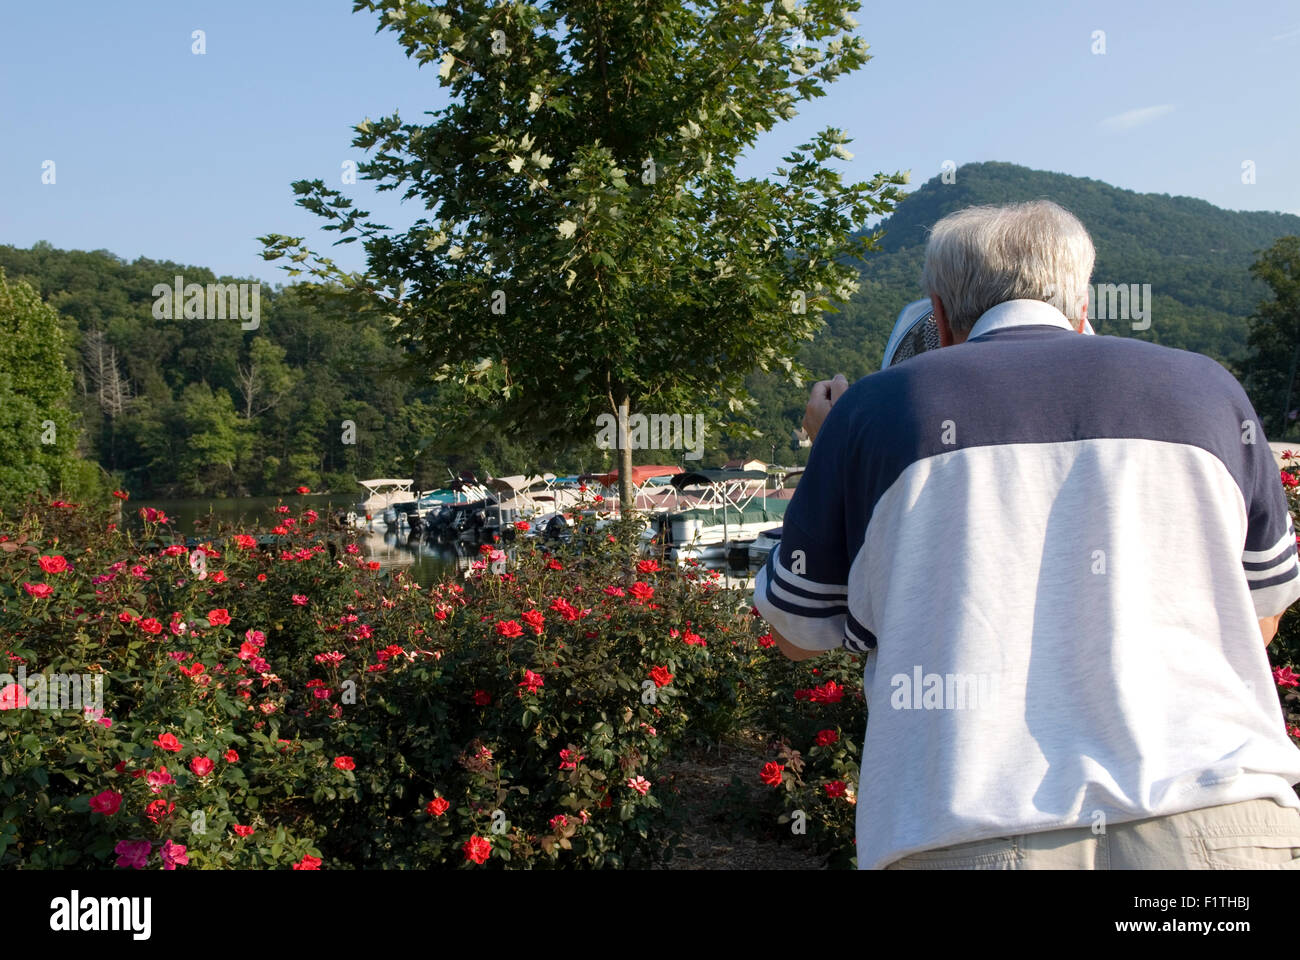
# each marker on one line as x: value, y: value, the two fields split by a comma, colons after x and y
x: 424, y: 562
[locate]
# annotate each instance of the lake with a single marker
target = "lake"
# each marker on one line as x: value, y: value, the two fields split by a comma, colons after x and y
x: 425, y: 562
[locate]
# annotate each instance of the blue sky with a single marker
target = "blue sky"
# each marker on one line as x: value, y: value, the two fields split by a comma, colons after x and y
x: 169, y: 155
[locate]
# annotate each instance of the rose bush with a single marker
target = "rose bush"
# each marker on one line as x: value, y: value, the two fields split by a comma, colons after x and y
x: 272, y: 699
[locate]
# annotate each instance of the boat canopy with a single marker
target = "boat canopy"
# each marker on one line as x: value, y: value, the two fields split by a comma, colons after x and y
x: 771, y: 512
x: 373, y: 485
x: 518, y: 482
x: 639, y: 474
x: 699, y: 478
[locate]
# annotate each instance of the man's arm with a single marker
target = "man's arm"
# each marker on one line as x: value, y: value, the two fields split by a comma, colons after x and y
x: 801, y: 591
x: 1267, y: 629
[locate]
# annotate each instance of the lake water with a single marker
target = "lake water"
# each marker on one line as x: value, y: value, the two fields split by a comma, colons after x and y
x: 426, y: 563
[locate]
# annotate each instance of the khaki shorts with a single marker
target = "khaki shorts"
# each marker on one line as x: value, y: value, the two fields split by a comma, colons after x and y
x: 1251, y: 835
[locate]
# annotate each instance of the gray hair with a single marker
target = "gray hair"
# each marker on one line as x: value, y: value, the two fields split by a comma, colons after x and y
x: 982, y: 256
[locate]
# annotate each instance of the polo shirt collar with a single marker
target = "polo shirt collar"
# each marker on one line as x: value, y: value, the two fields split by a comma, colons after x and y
x: 1022, y: 313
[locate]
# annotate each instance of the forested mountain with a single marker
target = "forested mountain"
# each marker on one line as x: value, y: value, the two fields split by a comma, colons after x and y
x: 1195, y: 256
x: 202, y: 407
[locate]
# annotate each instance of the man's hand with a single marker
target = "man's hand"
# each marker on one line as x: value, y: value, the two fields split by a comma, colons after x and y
x: 823, y: 397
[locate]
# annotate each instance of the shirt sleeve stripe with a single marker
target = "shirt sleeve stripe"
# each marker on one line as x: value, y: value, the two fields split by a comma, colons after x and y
x: 1291, y: 573
x: 1266, y: 556
x: 1259, y: 572
x: 816, y: 631
x: 794, y: 594
x: 802, y: 585
x: 1272, y: 599
x: 857, y: 637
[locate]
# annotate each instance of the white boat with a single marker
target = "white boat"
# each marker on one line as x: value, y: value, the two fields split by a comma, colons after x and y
x: 764, y: 544
x: 727, y: 511
x: 378, y: 509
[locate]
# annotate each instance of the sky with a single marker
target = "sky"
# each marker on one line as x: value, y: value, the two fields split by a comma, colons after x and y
x: 164, y: 153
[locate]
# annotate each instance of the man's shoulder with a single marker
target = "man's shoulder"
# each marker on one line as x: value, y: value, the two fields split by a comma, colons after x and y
x: 956, y: 367
x: 1150, y: 362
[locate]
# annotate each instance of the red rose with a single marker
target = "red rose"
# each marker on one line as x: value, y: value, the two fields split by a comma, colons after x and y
x: 835, y: 788
x: 477, y: 849
x: 149, y: 625
x: 345, y: 763
x: 159, y: 809
x: 661, y: 676
x: 245, y: 542
x: 38, y: 590
x: 230, y: 756
x: 241, y: 830
x: 201, y: 766
x: 771, y: 774
x: 482, y: 698
x: 648, y: 566
x: 832, y: 692
x: 107, y: 803
x: 826, y: 737
x: 219, y: 618
x: 532, y: 681
x: 308, y: 862
x: 437, y: 807
x: 641, y: 590
x: 55, y: 564
x: 169, y: 743
x: 304, y: 490
x: 534, y: 619
x: 509, y: 628
x: 13, y: 697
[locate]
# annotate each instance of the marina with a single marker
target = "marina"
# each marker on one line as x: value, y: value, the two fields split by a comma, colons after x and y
x: 725, y: 518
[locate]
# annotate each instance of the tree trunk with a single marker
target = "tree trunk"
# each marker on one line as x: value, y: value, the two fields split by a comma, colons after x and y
x: 625, y: 501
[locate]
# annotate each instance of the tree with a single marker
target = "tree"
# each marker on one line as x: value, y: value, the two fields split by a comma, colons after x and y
x: 592, y: 249
x: 38, y: 438
x: 214, y: 440
x: 1275, y: 335
x: 265, y: 379
x: 112, y: 390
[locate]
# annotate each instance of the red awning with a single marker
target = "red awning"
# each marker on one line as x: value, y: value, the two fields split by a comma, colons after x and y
x: 639, y: 474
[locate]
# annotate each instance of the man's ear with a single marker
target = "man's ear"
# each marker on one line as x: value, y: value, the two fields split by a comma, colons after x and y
x: 946, y: 339
x: 1083, y: 316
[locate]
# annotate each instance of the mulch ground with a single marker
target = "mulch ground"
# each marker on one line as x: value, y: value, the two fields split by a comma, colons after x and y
x: 701, y: 775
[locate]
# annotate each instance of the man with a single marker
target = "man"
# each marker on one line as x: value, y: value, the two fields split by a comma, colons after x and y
x: 1058, y: 554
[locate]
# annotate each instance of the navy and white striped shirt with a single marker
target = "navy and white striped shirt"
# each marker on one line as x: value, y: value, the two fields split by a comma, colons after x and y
x: 1053, y: 550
